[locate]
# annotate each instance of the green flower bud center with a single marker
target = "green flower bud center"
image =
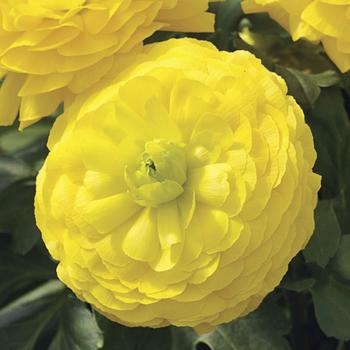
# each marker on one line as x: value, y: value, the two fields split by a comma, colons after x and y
x: 158, y: 174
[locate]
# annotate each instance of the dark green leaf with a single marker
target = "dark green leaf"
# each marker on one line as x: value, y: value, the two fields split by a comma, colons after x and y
x: 263, y: 329
x: 183, y: 338
x: 14, y: 141
x: 28, y: 145
x: 17, y: 216
x: 298, y: 286
x: 341, y: 261
x: 22, y: 321
x: 25, y: 233
x: 26, y: 323
x: 298, y: 278
x: 163, y: 36
x: 228, y: 16
x: 326, y: 79
x: 331, y: 129
x: 77, y: 330
x: 325, y: 240
x: 117, y: 337
x: 12, y: 170
x: 332, y: 308
x: 29, y: 302
x: 17, y: 272
x: 342, y: 202
x: 300, y: 85
x: 346, y: 82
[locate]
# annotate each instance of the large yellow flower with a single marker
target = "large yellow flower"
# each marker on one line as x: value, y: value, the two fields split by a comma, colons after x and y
x: 179, y: 194
x: 326, y: 21
x: 52, y: 49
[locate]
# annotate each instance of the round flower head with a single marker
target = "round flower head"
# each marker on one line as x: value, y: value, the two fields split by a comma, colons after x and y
x: 326, y: 21
x: 179, y: 194
x: 53, y: 49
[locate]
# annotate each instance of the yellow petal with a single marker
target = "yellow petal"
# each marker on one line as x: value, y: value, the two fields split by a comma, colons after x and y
x: 144, y: 230
x: 9, y: 100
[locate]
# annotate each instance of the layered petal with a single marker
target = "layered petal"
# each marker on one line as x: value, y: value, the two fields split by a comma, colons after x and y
x: 51, y: 51
x: 178, y: 194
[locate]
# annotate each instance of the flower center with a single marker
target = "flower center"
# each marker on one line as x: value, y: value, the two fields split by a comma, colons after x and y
x: 158, y: 174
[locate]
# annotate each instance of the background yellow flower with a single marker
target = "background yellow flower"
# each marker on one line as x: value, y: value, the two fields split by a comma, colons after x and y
x: 326, y: 21
x: 179, y: 194
x: 51, y: 50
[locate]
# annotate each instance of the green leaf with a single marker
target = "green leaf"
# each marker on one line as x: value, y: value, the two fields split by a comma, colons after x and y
x: 78, y: 329
x: 228, y: 16
x: 12, y: 170
x: 342, y: 202
x: 341, y: 262
x: 28, y: 145
x: 298, y: 277
x: 326, y: 79
x: 183, y: 338
x: 22, y: 321
x: 163, y: 36
x: 346, y: 82
x: 48, y: 317
x: 29, y: 302
x: 17, y: 216
x: 332, y: 307
x: 299, y: 285
x: 17, y: 272
x: 117, y: 337
x: 330, y: 126
x: 25, y: 232
x: 13, y: 141
x: 300, y: 85
x: 325, y: 240
x: 263, y: 329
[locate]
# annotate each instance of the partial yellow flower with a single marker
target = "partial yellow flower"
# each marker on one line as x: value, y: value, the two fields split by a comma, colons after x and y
x: 179, y: 194
x: 51, y: 50
x: 325, y: 21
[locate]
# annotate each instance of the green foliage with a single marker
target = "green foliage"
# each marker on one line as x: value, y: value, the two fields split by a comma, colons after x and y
x: 341, y: 262
x: 17, y: 215
x: 263, y: 329
x: 12, y: 170
x: 325, y: 241
x: 27, y: 318
x: 302, y: 86
x: 332, y: 307
x: 23, y: 320
x: 119, y: 337
x: 309, y: 310
x: 77, y: 329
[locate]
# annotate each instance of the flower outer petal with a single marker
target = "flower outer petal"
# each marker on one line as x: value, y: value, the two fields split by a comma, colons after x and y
x: 67, y: 47
x: 144, y: 255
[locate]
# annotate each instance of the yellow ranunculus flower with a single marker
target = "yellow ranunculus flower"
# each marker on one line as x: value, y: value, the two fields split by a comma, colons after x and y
x: 53, y: 49
x: 179, y: 194
x: 326, y: 21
